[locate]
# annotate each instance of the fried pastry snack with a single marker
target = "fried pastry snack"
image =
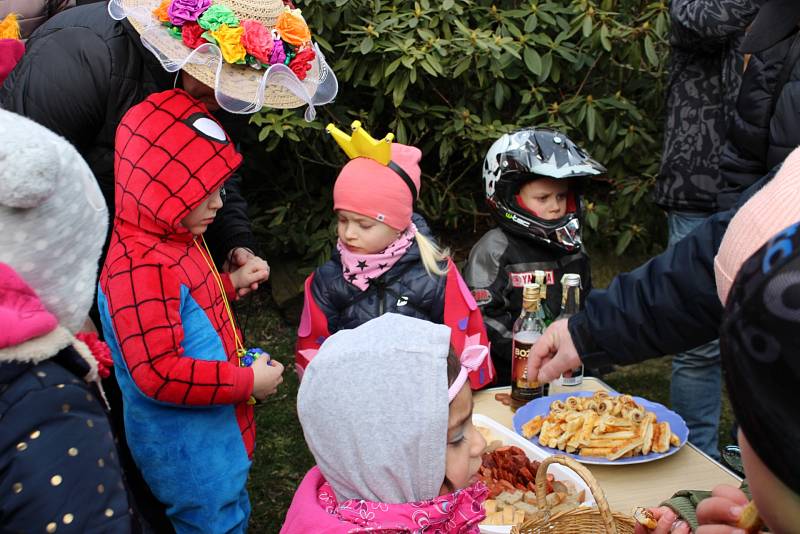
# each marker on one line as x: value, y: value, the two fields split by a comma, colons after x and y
x: 601, y: 426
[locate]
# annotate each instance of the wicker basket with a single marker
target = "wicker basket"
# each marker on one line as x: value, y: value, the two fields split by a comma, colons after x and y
x: 582, y: 520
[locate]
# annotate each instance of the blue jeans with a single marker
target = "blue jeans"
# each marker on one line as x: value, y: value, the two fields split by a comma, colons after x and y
x: 695, y: 391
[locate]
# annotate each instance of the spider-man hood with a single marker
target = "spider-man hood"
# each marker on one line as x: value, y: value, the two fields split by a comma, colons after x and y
x: 170, y: 154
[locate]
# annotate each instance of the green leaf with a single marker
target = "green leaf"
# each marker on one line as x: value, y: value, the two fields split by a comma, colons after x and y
x: 532, y: 60
x: 366, y: 45
x: 650, y: 51
x: 604, y: 40
x: 462, y: 66
x: 587, y: 26
x: 623, y: 242
x: 498, y: 95
x: 392, y: 67
x: 427, y: 67
x: 399, y: 92
x: 530, y: 23
x: 547, y: 64
x: 592, y: 220
x: 447, y: 5
x: 591, y: 119
x: 513, y: 30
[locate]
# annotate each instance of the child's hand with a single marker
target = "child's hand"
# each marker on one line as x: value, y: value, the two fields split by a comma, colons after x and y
x: 247, y: 277
x: 720, y: 513
x: 267, y: 376
x: 667, y: 523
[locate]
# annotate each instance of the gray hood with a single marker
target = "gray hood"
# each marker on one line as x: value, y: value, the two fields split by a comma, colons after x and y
x: 373, y: 405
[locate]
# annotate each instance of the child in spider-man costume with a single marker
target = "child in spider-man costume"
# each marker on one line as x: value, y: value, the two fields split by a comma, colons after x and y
x: 385, y: 260
x: 166, y: 316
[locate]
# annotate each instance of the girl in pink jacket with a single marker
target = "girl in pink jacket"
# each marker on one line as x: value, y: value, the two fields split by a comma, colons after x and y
x: 386, y: 410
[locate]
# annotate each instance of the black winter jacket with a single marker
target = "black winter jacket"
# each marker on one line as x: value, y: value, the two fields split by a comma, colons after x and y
x: 81, y: 72
x: 704, y: 76
x: 406, y: 288
x: 59, y: 471
x: 499, y: 265
x: 765, y: 128
x: 667, y: 305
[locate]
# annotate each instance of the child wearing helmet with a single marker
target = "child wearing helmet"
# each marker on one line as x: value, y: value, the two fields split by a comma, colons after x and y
x: 385, y: 260
x: 532, y: 178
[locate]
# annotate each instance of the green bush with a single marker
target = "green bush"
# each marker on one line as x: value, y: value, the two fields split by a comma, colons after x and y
x: 452, y: 76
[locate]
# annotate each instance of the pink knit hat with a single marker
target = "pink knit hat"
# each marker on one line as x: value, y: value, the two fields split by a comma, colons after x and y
x: 366, y: 187
x: 773, y: 208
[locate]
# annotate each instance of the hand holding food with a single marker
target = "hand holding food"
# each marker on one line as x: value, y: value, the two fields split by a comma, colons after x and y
x: 727, y: 510
x: 601, y: 425
x: 661, y: 520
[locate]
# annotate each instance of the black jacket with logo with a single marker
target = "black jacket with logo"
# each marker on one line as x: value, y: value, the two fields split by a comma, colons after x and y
x: 499, y: 265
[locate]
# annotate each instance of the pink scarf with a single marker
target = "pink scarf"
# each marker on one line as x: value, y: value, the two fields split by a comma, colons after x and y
x: 359, y: 269
x: 315, y: 506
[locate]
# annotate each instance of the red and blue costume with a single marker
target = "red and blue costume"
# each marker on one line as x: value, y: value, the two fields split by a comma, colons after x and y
x: 187, y: 421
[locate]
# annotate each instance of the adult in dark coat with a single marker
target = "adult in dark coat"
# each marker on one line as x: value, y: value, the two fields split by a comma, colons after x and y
x: 704, y: 76
x: 765, y: 128
x: 667, y: 305
x: 82, y: 71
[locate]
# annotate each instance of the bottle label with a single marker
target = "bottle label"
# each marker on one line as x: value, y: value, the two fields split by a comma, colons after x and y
x: 519, y: 369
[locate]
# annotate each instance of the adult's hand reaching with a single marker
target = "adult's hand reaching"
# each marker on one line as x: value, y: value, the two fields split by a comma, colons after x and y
x: 554, y: 354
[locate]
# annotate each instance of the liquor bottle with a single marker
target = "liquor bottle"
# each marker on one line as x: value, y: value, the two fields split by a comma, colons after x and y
x: 570, y: 304
x: 528, y: 328
x: 540, y: 277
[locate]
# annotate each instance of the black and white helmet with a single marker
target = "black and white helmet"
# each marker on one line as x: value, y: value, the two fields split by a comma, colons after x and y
x: 524, y: 155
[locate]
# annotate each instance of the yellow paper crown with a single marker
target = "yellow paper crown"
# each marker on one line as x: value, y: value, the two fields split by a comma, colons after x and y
x: 361, y: 145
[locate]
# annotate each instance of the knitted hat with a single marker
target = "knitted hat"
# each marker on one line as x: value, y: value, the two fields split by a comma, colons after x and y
x: 367, y: 187
x: 761, y: 353
x: 374, y: 409
x: 774, y: 207
x: 53, y: 219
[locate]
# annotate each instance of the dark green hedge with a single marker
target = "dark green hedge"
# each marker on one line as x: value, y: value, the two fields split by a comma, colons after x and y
x: 450, y: 77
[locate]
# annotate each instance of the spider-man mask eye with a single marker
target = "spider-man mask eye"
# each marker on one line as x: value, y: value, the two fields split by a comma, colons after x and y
x: 206, y: 127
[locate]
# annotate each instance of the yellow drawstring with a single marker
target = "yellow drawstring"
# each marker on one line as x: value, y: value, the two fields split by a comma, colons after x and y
x: 213, y: 268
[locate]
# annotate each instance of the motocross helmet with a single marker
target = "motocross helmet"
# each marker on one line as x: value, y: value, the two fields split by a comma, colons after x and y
x: 524, y: 155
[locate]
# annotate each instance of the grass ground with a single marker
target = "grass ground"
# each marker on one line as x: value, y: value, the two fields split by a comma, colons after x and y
x: 282, y: 457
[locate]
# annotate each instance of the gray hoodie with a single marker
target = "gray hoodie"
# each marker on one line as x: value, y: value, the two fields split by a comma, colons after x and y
x: 374, y: 409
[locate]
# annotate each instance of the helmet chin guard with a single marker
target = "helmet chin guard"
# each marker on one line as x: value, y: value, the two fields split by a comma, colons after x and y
x: 524, y: 155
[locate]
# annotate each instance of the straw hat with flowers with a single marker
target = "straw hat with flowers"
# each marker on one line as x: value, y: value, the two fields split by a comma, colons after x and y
x: 253, y: 53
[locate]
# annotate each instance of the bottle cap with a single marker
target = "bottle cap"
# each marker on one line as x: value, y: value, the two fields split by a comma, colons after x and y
x: 530, y: 292
x: 571, y: 280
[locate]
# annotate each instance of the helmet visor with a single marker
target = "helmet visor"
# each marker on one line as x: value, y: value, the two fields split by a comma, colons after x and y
x: 569, y: 234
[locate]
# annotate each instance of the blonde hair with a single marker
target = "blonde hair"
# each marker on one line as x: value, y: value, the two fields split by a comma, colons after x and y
x: 432, y: 255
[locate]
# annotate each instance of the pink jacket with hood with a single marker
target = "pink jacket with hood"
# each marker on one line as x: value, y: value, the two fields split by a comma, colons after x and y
x: 381, y: 446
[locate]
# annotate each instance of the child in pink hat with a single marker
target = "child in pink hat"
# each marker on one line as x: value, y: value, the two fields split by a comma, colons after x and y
x: 385, y: 260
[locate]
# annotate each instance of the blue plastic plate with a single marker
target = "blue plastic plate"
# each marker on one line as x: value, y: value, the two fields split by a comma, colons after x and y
x: 542, y: 407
